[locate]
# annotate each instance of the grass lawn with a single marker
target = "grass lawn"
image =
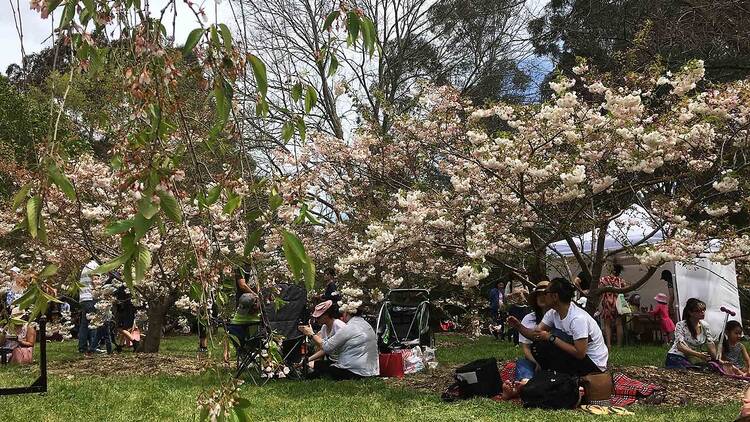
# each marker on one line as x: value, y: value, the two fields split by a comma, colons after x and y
x: 74, y: 397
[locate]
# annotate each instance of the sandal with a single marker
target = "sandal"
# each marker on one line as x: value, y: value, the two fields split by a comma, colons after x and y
x: 596, y: 409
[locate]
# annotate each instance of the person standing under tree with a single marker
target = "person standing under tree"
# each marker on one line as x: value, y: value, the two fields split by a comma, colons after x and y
x: 609, y: 305
x: 331, y: 293
x: 666, y: 275
x: 497, y: 301
x: 86, y: 300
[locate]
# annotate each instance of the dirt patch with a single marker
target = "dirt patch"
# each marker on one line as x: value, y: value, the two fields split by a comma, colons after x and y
x: 690, y: 387
x: 683, y: 387
x: 131, y: 364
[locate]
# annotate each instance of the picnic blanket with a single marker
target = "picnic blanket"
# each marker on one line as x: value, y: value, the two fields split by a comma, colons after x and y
x: 716, y: 367
x: 626, y: 390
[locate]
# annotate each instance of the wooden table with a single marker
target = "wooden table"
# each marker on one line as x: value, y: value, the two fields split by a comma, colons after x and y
x: 643, y: 327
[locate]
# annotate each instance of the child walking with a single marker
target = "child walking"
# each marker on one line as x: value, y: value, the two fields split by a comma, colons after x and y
x: 661, y: 312
x: 734, y: 355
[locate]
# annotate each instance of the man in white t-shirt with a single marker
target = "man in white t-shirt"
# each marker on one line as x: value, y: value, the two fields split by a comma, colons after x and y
x: 588, y: 354
x: 86, y: 300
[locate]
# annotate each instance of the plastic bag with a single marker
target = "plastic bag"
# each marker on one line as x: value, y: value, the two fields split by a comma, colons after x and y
x: 413, y: 363
x: 623, y: 308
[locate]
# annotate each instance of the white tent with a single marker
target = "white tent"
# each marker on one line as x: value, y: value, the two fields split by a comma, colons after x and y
x: 712, y: 282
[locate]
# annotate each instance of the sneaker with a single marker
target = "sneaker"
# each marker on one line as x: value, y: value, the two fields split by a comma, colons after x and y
x: 202, y: 350
x: 101, y: 351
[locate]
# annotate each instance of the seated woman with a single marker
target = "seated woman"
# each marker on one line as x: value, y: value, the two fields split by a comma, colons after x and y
x: 690, y: 336
x: 20, y: 346
x: 327, y: 315
x: 356, y: 346
x: 527, y: 366
x: 246, y: 319
x: 586, y: 352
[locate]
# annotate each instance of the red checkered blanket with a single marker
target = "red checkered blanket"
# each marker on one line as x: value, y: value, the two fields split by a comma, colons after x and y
x: 626, y: 390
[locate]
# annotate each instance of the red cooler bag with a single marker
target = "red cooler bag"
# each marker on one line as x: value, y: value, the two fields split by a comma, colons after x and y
x: 391, y: 365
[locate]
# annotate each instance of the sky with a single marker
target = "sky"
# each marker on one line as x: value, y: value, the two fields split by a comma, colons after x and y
x: 36, y: 31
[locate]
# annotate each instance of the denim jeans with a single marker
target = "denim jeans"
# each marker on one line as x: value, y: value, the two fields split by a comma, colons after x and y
x: 103, y: 332
x: 85, y: 335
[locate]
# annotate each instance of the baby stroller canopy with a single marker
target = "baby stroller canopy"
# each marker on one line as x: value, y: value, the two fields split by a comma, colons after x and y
x: 404, y: 319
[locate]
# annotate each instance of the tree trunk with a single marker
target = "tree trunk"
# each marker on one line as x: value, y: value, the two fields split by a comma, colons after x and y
x: 157, y: 313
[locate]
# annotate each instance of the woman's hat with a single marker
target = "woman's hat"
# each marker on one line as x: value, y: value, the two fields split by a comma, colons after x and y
x: 661, y: 298
x: 321, y: 308
x: 541, y: 286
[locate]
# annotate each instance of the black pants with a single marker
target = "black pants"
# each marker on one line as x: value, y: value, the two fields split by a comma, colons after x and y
x: 551, y: 357
x: 324, y: 368
x: 519, y: 312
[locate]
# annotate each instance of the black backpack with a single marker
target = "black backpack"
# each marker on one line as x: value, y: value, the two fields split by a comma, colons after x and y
x: 551, y: 390
x: 478, y: 378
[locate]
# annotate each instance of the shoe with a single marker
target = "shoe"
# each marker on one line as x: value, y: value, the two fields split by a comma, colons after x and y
x: 202, y: 350
x: 101, y: 351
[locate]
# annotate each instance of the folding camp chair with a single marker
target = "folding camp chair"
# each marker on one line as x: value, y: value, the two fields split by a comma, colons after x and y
x: 404, y: 320
x: 285, y: 307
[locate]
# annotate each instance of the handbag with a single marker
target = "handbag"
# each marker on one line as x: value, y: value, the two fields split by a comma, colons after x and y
x: 391, y: 365
x: 22, y: 355
x: 623, y: 307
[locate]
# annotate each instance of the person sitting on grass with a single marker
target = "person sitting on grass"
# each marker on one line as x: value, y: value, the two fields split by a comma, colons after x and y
x: 327, y: 315
x: 355, y: 344
x: 19, y: 342
x: 734, y: 354
x: 579, y: 349
x: 690, y: 336
x: 527, y: 366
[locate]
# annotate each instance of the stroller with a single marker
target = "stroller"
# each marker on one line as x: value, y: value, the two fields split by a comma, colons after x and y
x: 283, y: 310
x: 404, y: 320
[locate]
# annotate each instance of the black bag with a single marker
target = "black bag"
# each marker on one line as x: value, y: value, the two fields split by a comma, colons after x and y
x: 551, y: 390
x: 479, y: 378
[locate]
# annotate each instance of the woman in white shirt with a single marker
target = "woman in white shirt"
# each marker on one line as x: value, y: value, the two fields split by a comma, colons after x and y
x: 690, y: 336
x: 327, y: 315
x: 356, y: 346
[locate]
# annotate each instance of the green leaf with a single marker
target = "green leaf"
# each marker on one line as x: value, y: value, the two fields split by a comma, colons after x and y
x: 297, y: 258
x: 142, y: 262
x: 333, y: 65
x: 226, y: 36
x: 33, y: 207
x: 61, y: 181
x: 287, y: 131
x: 119, y: 226
x: 148, y: 208
x: 352, y: 26
x: 261, y: 108
x: 223, y: 101
x: 214, y: 37
x: 369, y: 36
x: 232, y: 204
x: 242, y: 403
x: 297, y: 91
x: 142, y: 225
x: 311, y: 97
x: 240, y: 413
x: 48, y: 271
x: 192, y: 40
x: 301, y: 128
x: 259, y: 70
x: 213, y: 195
x: 111, y: 265
x: 170, y: 206
x: 90, y: 6
x: 275, y: 201
x: 68, y: 13
x: 252, y: 241
x: 52, y: 5
x: 20, y: 196
x: 330, y: 18
x: 27, y: 299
